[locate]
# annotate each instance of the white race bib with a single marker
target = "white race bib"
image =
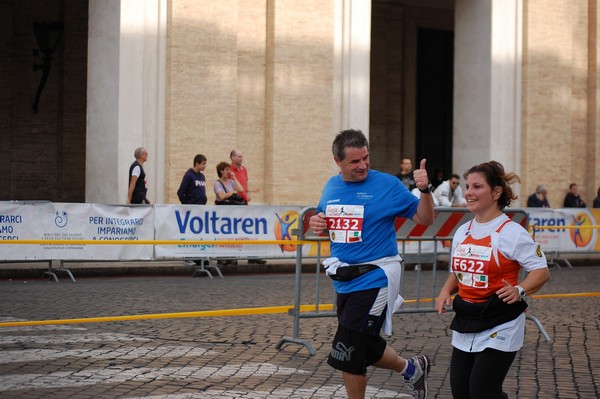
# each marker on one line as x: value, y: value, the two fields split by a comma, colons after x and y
x: 344, y: 222
x: 470, y: 264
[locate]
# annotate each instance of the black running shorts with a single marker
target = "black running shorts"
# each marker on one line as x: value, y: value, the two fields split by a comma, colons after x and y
x: 357, y: 343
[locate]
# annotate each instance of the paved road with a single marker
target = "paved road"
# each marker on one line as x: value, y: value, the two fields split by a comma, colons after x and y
x: 236, y: 357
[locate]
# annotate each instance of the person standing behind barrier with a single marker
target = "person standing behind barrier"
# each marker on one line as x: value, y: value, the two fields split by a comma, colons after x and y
x: 241, y: 172
x: 449, y: 193
x: 406, y: 174
x: 539, y: 199
x: 227, y: 187
x: 487, y: 254
x: 192, y: 189
x: 138, y: 186
x: 573, y: 199
x: 597, y: 199
x: 358, y: 207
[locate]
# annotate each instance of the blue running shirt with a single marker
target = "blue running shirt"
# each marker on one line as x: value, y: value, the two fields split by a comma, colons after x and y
x: 383, y: 197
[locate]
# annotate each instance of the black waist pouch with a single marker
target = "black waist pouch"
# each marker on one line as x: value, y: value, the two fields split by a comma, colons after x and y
x: 349, y: 273
x: 475, y: 317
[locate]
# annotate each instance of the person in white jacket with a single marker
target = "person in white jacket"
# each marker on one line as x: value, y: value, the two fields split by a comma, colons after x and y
x: 449, y: 193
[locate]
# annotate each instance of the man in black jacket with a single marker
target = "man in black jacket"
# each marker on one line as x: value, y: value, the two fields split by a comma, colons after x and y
x: 539, y: 199
x: 193, y: 185
x: 573, y: 199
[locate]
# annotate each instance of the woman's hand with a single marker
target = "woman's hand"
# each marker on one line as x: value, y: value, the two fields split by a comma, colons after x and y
x: 509, y: 293
x: 443, y: 301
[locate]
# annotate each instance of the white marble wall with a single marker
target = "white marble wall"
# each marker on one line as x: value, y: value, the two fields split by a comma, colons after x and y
x: 126, y: 84
x: 352, y: 65
x: 487, y: 83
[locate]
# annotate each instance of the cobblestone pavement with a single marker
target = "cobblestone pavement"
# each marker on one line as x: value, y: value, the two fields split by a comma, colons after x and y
x: 236, y: 356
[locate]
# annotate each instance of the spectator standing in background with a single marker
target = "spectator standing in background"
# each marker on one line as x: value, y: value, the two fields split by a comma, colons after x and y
x: 539, y: 199
x: 138, y: 186
x: 449, y: 193
x: 573, y: 199
x: 597, y: 199
x: 227, y: 185
x: 193, y: 185
x: 241, y: 173
x: 406, y: 174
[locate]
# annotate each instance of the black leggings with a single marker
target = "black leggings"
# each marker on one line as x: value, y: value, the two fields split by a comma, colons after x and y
x: 479, y: 375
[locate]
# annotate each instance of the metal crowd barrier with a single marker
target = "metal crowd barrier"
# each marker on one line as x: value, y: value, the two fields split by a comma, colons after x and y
x: 446, y: 222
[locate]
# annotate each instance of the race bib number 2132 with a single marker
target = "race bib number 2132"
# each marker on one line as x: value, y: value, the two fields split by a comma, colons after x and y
x: 344, y: 222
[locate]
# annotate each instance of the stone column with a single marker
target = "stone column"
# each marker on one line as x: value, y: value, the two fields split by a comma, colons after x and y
x: 126, y: 91
x: 352, y: 65
x: 487, y: 83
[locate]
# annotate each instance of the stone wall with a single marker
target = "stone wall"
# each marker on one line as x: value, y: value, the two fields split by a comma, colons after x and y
x: 559, y: 129
x: 254, y: 75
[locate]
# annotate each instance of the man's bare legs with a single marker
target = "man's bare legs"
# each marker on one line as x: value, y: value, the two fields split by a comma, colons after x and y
x: 356, y: 385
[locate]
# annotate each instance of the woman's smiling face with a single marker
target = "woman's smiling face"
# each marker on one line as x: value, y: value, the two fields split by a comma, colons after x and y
x: 480, y: 196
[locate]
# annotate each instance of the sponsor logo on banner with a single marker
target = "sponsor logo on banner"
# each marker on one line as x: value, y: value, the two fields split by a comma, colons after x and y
x: 210, y: 223
x: 61, y: 219
x: 581, y: 237
x: 286, y: 223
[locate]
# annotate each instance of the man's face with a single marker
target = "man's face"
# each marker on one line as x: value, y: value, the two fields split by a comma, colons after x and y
x: 202, y: 166
x: 406, y: 165
x: 355, y: 165
x: 454, y: 183
x: 574, y: 190
x: 237, y: 157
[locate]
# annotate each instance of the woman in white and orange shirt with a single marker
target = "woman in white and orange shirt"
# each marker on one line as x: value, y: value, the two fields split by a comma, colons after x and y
x: 487, y: 255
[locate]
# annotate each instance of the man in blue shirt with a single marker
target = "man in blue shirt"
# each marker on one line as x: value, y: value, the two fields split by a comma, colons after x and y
x: 358, y: 208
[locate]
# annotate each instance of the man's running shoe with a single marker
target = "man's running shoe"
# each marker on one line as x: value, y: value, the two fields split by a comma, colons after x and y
x: 417, y: 384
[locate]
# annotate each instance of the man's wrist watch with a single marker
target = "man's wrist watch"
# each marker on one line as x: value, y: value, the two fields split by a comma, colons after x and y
x: 521, y: 292
x: 427, y: 190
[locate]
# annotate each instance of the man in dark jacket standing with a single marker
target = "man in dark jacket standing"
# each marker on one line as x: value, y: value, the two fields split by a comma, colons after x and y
x: 573, y: 199
x: 539, y: 199
x: 193, y: 185
x: 138, y: 187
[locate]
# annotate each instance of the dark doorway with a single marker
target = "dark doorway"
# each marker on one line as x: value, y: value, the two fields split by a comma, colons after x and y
x: 435, y: 77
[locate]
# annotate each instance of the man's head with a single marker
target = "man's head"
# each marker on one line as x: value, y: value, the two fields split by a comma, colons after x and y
x: 405, y: 166
x: 141, y: 154
x: 350, y: 150
x: 573, y: 189
x: 237, y: 157
x: 199, y: 163
x: 454, y: 181
x: 541, y: 189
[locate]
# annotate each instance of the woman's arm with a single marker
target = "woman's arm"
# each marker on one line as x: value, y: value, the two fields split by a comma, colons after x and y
x: 534, y: 281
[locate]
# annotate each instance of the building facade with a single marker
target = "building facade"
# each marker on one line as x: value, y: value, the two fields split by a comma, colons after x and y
x: 455, y: 81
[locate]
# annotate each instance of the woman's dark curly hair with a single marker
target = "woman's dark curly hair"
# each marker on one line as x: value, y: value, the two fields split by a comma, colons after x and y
x: 495, y: 176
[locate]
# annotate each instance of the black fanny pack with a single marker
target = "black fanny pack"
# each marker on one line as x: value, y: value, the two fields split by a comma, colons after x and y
x: 475, y: 317
x: 349, y: 273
